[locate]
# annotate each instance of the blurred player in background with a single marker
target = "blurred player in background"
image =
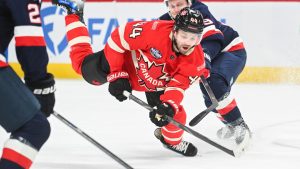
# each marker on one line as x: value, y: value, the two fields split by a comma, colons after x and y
x: 24, y: 107
x: 226, y: 56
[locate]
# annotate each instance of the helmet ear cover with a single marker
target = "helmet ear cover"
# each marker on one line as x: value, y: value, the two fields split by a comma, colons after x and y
x: 189, y: 20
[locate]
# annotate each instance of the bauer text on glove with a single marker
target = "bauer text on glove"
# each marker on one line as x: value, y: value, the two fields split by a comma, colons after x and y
x: 118, y: 83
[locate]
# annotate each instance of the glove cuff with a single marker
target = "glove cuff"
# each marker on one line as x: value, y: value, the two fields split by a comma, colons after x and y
x: 43, y: 86
x: 117, y: 75
x: 173, y: 105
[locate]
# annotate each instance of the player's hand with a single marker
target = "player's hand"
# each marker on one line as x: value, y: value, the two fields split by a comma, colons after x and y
x: 157, y: 116
x: 44, y: 91
x: 118, y: 83
x: 207, y: 69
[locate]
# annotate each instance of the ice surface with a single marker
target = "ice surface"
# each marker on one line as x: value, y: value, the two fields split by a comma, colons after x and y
x: 271, y: 111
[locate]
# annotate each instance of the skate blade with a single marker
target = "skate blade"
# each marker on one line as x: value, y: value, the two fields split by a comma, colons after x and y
x: 241, y: 148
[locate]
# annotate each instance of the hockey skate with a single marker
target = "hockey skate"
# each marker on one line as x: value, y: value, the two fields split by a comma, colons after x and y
x: 184, y: 148
x: 237, y: 129
x: 72, y: 6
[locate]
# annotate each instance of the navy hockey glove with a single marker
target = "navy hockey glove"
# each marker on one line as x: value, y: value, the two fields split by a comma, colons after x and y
x: 44, y: 91
x: 118, y: 83
x: 207, y: 69
x: 157, y: 115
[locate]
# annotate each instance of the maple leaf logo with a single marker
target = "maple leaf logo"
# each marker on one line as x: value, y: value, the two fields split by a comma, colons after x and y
x: 151, y: 75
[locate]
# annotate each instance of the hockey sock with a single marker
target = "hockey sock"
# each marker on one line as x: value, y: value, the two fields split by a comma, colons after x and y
x: 21, y: 148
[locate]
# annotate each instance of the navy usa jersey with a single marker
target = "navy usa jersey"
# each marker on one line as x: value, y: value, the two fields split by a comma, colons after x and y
x: 216, y: 37
x: 20, y: 19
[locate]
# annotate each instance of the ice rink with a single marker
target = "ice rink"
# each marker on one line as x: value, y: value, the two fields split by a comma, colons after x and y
x: 271, y: 111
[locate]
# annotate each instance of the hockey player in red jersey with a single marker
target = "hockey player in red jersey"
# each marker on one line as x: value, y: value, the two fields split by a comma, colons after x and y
x: 226, y: 56
x: 21, y: 113
x: 161, y: 58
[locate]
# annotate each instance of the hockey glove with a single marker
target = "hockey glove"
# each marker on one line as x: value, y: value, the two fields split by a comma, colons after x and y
x: 157, y: 116
x: 44, y: 91
x: 72, y: 6
x: 118, y: 84
x: 207, y: 69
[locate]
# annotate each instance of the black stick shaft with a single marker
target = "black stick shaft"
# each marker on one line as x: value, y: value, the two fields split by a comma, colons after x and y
x: 179, y: 125
x: 91, y: 140
x: 214, y: 104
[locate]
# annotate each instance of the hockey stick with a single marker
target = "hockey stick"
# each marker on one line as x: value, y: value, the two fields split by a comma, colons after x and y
x: 214, y: 104
x: 179, y: 125
x: 91, y: 140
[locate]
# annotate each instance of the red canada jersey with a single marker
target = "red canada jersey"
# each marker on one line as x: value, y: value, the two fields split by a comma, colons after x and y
x: 144, y: 50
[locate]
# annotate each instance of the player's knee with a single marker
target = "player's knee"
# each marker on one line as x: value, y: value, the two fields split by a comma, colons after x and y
x: 218, y: 85
x: 36, y: 131
x: 44, y: 129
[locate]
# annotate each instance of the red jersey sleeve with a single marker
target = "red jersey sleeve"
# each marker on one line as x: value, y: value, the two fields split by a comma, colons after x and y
x: 78, y: 40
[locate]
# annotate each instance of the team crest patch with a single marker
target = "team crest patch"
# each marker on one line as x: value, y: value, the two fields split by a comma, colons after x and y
x: 155, y: 53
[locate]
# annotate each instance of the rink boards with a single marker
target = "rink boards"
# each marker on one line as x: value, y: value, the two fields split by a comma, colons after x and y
x: 269, y: 29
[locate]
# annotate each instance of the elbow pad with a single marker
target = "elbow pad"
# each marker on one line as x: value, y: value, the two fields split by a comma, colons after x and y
x: 95, y: 68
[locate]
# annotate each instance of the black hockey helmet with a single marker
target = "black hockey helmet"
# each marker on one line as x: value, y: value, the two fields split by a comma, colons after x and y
x: 189, y: 20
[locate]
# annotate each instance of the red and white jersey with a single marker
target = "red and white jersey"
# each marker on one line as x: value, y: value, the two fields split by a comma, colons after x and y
x: 144, y: 50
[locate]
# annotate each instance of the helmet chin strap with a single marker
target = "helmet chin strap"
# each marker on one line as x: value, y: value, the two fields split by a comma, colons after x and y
x: 175, y: 46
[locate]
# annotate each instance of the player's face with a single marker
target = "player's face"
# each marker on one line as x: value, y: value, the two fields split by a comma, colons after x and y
x: 186, y: 40
x: 176, y: 5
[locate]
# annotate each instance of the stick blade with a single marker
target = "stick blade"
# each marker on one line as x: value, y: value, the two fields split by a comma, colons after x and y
x: 198, y: 118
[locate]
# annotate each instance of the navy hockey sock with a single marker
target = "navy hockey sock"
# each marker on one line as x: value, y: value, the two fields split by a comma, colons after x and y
x: 21, y: 148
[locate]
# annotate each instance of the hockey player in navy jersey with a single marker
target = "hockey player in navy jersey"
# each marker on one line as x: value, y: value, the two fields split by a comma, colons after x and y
x: 23, y: 106
x: 226, y: 55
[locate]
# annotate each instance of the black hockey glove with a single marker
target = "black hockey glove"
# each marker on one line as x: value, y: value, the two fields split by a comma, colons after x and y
x: 118, y: 84
x: 157, y: 115
x: 44, y: 91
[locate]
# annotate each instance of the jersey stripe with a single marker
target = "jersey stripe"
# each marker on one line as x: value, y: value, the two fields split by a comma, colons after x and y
x: 19, y: 153
x: 175, y: 88
x: 30, y: 41
x: 122, y: 39
x: 226, y: 105
x: 114, y: 46
x: 237, y: 47
x: 2, y: 58
x: 15, y: 157
x: 210, y: 30
x: 3, y: 64
x: 29, y: 35
x: 233, y: 43
x: 28, y: 30
x: 74, y: 25
x: 223, y: 103
x: 80, y: 39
